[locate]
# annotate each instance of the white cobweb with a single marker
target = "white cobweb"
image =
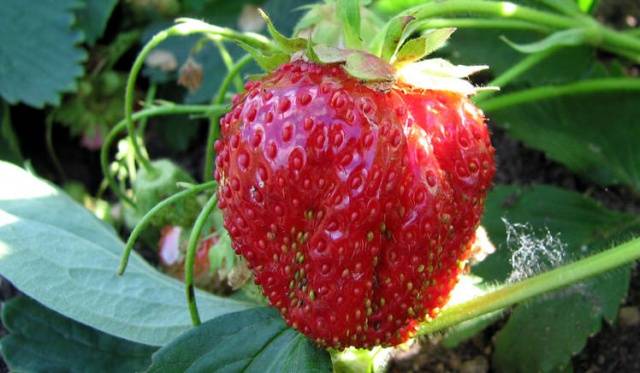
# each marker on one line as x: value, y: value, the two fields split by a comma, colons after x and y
x: 532, y: 252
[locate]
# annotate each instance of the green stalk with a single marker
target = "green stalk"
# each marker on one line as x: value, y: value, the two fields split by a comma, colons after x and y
x: 215, y: 118
x: 617, y: 42
x: 228, y: 63
x: 524, y: 65
x: 122, y: 126
x: 552, y: 280
x: 48, y: 136
x: 191, y: 256
x: 481, y: 23
x: 183, y: 28
x: 146, y: 219
x: 502, y: 9
x: 6, y: 129
x: 148, y: 102
x: 547, y: 92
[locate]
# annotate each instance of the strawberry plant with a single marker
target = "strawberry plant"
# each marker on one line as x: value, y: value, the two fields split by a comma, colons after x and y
x: 337, y: 188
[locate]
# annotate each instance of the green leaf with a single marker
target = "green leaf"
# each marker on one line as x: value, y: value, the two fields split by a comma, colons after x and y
x: 564, y: 38
x: 349, y: 14
x: 267, y: 61
x: 367, y: 67
x: 595, y: 135
x: 93, y: 16
x: 57, y: 252
x: 420, y: 47
x: 255, y: 340
x: 546, y: 227
x: 42, y: 340
x: 584, y: 225
x: 289, y: 45
x: 394, y: 36
x: 39, y: 53
x: 587, y: 6
x: 177, y: 132
x: 359, y: 64
x: 557, y: 326
x: 326, y: 54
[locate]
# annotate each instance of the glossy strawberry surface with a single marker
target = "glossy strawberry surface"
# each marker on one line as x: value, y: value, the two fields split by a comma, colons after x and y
x: 355, y: 208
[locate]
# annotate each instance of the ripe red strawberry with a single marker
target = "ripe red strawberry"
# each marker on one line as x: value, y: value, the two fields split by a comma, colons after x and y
x: 354, y: 207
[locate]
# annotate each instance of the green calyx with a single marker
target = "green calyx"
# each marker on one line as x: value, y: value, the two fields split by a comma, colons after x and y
x: 335, y: 31
x: 160, y: 182
x: 359, y: 64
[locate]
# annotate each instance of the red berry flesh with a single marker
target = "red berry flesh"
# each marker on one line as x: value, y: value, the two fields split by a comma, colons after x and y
x: 354, y: 207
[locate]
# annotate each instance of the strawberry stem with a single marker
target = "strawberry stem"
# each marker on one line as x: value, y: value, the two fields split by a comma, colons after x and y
x: 480, y: 23
x: 146, y: 219
x: 229, y: 64
x: 183, y: 28
x: 511, y: 294
x: 48, y: 138
x: 552, y: 91
x: 617, y: 42
x: 214, y: 125
x: 171, y: 109
x: 190, y: 259
x: 148, y: 102
x: 502, y: 9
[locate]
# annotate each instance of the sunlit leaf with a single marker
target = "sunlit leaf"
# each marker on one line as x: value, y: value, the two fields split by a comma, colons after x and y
x: 60, y: 254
